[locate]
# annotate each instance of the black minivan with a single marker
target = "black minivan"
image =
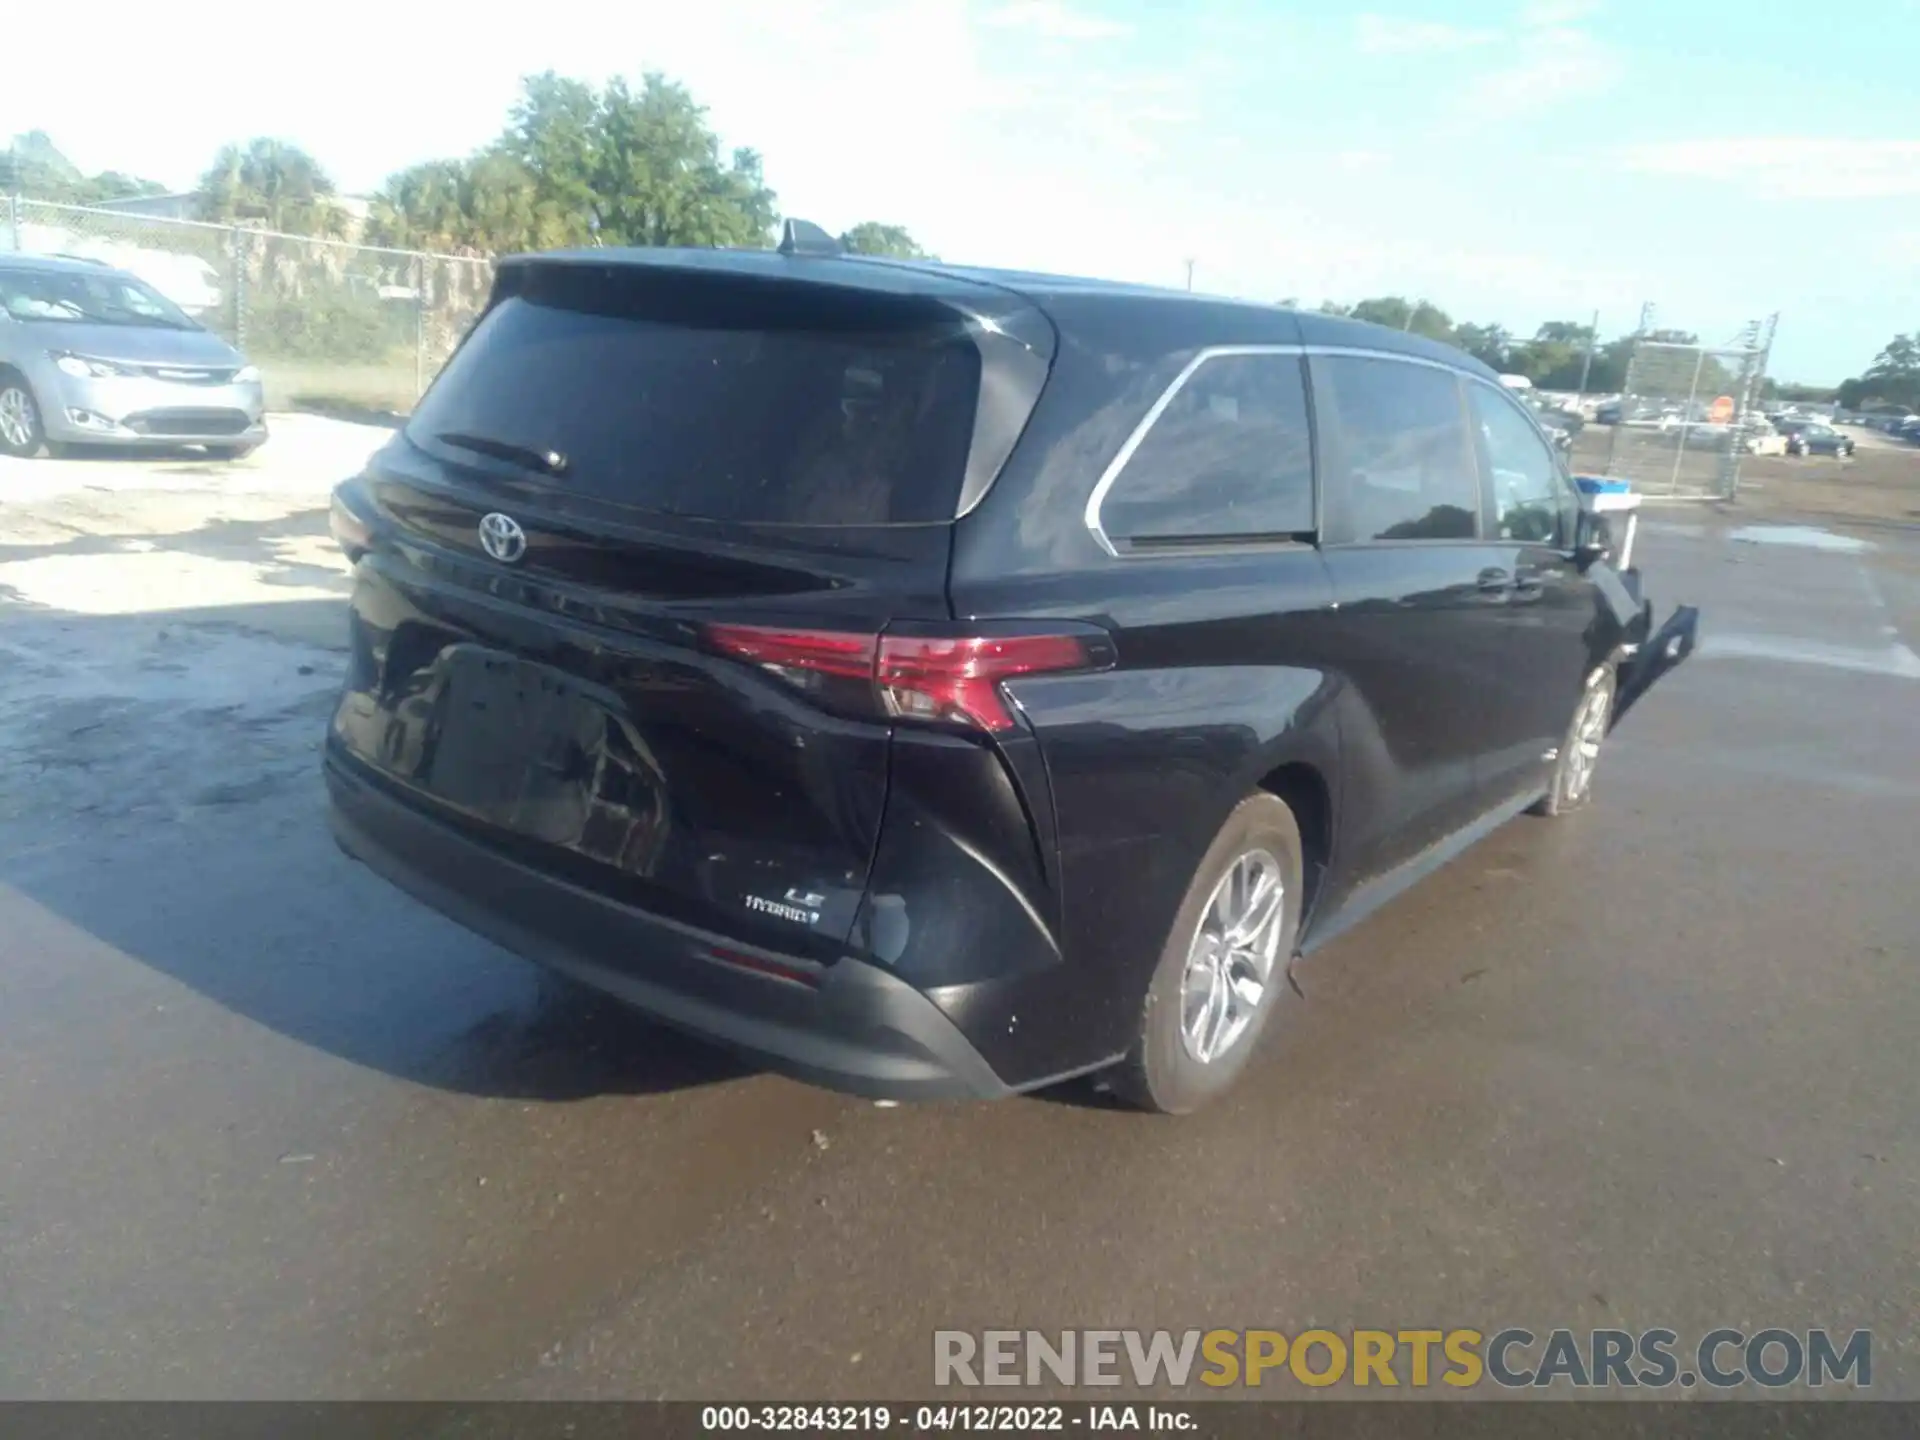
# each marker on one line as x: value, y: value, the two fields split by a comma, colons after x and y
x: 941, y: 682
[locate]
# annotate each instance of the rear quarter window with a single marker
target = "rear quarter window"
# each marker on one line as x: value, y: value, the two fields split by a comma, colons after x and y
x: 809, y: 418
x: 1229, y: 458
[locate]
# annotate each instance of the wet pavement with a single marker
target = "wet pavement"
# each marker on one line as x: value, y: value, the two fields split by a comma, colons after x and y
x: 267, y: 1128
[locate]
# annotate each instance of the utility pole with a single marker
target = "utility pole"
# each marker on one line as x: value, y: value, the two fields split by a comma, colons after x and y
x: 1759, y: 339
x: 1586, y: 365
x: 1766, y: 349
x: 1190, y: 274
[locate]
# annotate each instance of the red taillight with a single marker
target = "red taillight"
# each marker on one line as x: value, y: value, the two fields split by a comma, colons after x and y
x: 924, y: 679
x: 952, y: 679
x: 825, y: 652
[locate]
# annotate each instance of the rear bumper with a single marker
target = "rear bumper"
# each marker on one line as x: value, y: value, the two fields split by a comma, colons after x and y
x: 859, y: 1029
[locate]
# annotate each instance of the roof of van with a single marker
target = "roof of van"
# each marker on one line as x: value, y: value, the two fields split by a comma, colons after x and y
x: 20, y: 260
x: 936, y: 278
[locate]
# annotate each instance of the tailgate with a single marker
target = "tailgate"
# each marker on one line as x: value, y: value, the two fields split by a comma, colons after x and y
x: 614, y: 749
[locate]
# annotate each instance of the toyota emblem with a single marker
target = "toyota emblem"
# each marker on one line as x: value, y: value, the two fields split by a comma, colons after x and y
x: 502, y: 538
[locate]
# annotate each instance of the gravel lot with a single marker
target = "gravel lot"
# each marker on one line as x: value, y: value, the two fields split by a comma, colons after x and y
x: 268, y: 1129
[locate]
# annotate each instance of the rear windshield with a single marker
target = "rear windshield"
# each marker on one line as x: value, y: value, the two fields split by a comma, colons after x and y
x: 754, y: 408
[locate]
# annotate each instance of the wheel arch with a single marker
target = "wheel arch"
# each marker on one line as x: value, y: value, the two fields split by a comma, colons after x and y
x: 1303, y: 788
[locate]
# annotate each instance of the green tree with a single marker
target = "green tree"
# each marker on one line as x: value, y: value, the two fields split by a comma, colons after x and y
x: 273, y: 183
x: 113, y: 185
x: 575, y: 166
x: 1895, y: 372
x: 505, y: 211
x: 423, y: 208
x: 870, y: 237
x: 32, y: 165
x: 1610, y: 361
x: 660, y: 178
x: 1490, y: 344
x: 1797, y: 394
x: 1553, y: 358
x: 553, y: 133
x: 1398, y: 313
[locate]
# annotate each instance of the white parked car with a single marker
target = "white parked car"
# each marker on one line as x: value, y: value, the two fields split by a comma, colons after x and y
x: 188, y: 281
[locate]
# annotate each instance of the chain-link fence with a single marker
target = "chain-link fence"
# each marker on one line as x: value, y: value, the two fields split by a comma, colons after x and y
x: 330, y: 324
x: 1686, y: 419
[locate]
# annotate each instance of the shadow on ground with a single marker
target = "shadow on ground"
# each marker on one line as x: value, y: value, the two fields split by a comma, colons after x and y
x: 167, y: 803
x: 202, y: 460
x: 261, y: 543
x: 347, y: 410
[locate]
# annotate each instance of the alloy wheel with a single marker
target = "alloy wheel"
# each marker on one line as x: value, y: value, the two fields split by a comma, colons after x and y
x: 1230, y: 962
x: 1589, y: 729
x: 18, y: 419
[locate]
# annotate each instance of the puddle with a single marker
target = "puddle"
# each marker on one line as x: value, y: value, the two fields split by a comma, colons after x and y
x: 1804, y: 537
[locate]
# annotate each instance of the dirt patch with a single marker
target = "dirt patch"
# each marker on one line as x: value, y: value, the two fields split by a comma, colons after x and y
x: 1878, y: 486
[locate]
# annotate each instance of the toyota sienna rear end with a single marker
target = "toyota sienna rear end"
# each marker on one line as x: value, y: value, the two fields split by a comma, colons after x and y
x: 651, y: 642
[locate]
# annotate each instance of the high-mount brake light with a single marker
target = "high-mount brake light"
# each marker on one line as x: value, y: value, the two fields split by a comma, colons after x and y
x: 943, y: 679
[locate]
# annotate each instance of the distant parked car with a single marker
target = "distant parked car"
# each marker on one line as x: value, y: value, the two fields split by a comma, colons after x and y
x: 1561, y: 426
x: 92, y: 355
x: 1815, y: 439
x: 1756, y: 436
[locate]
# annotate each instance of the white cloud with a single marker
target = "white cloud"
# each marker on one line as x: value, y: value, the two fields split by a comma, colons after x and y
x: 1547, y: 67
x: 1788, y: 167
x: 1543, y: 57
x: 1053, y: 20
x: 1396, y: 35
x: 1556, y: 12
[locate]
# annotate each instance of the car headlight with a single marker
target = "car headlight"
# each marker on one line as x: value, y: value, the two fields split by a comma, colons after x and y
x: 81, y: 368
x: 247, y: 375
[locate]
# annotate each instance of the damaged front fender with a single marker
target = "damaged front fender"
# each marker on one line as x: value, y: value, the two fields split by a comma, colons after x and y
x: 1643, y: 654
x: 1672, y: 643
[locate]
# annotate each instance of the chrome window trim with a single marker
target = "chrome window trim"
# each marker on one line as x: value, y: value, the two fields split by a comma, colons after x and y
x: 1214, y: 352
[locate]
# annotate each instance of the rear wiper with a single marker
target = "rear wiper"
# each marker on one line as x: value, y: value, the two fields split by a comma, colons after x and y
x: 548, y: 462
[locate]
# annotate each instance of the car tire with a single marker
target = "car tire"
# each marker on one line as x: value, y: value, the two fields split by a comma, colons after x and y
x: 1574, y: 764
x: 231, y: 452
x: 21, y: 431
x: 1199, y: 1024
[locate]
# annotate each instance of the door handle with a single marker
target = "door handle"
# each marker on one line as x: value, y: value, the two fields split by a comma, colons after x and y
x: 1493, y: 581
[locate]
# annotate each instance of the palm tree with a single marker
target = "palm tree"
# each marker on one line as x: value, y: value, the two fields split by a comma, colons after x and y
x: 274, y: 184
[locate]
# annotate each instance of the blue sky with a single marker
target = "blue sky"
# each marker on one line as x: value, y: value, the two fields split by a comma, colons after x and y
x: 1511, y: 160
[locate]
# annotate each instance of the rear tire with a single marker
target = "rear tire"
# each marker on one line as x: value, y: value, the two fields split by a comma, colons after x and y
x: 1218, y: 981
x: 21, y: 430
x: 1579, y: 757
